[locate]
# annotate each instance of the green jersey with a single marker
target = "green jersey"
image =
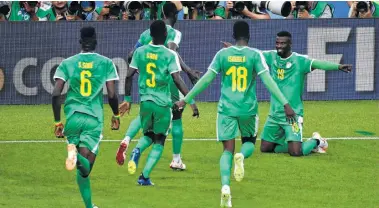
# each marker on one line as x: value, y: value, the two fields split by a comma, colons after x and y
x: 289, y: 74
x: 174, y: 36
x: 239, y: 67
x: 86, y: 74
x: 155, y: 63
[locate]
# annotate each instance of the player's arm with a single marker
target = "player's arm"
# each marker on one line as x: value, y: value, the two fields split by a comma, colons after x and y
x: 200, y: 86
x: 56, y: 103
x: 112, y: 95
x: 126, y: 104
x: 329, y: 66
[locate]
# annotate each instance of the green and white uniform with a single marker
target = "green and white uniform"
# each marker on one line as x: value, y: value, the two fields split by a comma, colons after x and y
x: 86, y: 74
x: 155, y: 63
x: 238, y: 106
x: 289, y: 74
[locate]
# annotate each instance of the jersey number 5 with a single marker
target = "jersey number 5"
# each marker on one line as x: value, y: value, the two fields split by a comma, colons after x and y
x: 151, y: 82
x: 85, y: 83
x: 239, y: 78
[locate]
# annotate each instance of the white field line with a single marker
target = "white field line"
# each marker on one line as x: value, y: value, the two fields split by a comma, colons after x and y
x: 202, y: 140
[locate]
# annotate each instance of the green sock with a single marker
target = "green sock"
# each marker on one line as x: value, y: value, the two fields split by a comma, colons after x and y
x: 134, y: 127
x: 281, y: 148
x: 152, y: 159
x: 85, y: 189
x: 247, y: 149
x: 83, y: 166
x: 177, y: 136
x: 308, y: 146
x: 143, y: 143
x: 225, y: 167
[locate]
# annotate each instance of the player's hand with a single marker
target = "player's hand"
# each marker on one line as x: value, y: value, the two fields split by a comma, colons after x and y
x: 195, y: 110
x: 58, y: 131
x: 124, y: 107
x: 179, y: 105
x: 115, y: 122
x: 345, y: 68
x: 290, y: 114
x: 226, y: 44
x: 194, y: 76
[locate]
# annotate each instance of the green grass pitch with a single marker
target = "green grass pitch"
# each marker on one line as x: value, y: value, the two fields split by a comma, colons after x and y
x: 33, y: 174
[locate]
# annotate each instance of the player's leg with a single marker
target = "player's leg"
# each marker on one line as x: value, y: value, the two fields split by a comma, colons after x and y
x: 86, y: 160
x: 177, y: 140
x: 161, y: 119
x: 248, y: 126
x: 322, y: 144
x: 272, y: 138
x: 227, y: 130
x: 132, y: 131
x: 294, y: 134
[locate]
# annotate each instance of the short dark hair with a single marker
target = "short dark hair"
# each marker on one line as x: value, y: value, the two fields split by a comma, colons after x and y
x: 241, y: 30
x: 170, y: 10
x: 158, y: 30
x: 87, y: 33
x: 284, y: 34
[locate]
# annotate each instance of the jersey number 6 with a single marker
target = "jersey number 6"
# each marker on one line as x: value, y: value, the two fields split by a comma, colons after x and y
x: 151, y: 82
x: 239, y: 78
x: 85, y: 83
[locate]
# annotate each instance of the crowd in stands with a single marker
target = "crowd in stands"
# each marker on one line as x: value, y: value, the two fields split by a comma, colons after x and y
x: 189, y: 10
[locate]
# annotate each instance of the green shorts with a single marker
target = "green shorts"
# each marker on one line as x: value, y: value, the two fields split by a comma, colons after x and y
x: 231, y: 127
x: 84, y: 130
x: 155, y: 118
x: 280, y: 132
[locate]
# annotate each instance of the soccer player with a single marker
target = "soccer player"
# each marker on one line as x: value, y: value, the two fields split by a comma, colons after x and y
x: 237, y: 109
x: 172, y: 42
x: 289, y: 69
x: 86, y: 74
x: 154, y: 63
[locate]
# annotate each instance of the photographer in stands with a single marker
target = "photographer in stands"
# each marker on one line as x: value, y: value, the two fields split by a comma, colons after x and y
x: 211, y: 10
x: 245, y: 10
x: 4, y: 10
x: 83, y: 10
x: 112, y: 10
x: 311, y: 9
x: 363, y: 9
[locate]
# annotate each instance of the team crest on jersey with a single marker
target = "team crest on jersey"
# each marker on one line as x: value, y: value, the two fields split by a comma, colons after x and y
x: 288, y: 65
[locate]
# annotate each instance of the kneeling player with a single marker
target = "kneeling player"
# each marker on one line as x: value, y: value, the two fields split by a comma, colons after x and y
x: 289, y: 69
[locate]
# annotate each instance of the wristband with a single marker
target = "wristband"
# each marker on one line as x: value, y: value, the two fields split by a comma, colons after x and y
x: 116, y: 116
x: 57, y: 123
x: 191, y: 102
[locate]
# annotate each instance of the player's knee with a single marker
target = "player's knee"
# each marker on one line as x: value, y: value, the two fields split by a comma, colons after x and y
x: 251, y: 139
x: 160, y: 139
x: 150, y: 135
x: 267, y: 148
x: 296, y: 153
x: 177, y: 114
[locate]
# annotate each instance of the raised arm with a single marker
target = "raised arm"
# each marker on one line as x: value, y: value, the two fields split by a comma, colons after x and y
x: 329, y: 66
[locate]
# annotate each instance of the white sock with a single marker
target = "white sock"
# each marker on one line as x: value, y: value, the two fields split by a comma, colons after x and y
x: 127, y: 139
x: 176, y: 157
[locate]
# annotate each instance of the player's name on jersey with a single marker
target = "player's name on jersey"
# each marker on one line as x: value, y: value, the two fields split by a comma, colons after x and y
x: 238, y: 59
x: 85, y: 65
x: 152, y: 56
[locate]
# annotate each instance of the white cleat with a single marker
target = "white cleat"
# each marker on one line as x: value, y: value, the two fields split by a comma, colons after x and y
x: 323, y: 145
x: 226, y: 197
x: 239, y: 170
x: 71, y: 157
x: 177, y: 165
x: 94, y: 206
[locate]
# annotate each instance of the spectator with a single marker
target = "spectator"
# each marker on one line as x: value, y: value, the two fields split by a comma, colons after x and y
x: 311, y: 9
x: 111, y: 10
x: 154, y: 11
x: 205, y: 10
x: 23, y: 11
x: 4, y: 10
x: 247, y: 11
x: 54, y: 12
x: 363, y: 9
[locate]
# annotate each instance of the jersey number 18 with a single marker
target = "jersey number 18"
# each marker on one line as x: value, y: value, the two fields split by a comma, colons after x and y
x: 239, y: 78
